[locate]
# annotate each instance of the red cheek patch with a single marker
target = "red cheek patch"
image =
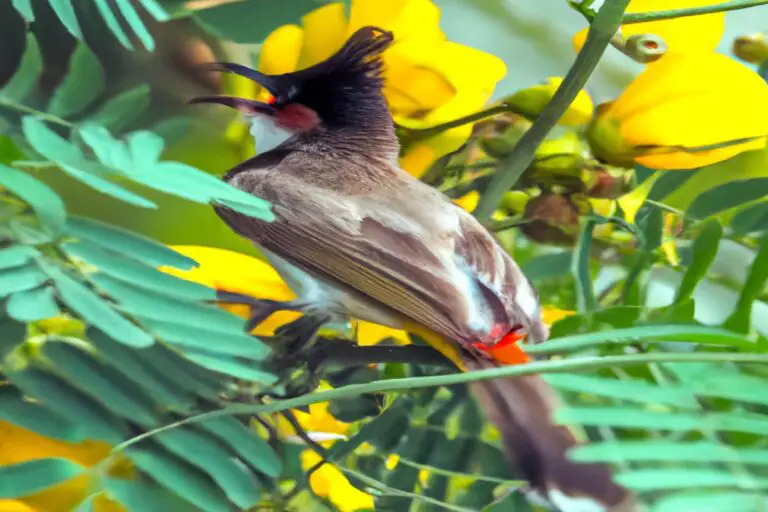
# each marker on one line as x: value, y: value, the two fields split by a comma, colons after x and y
x: 297, y: 117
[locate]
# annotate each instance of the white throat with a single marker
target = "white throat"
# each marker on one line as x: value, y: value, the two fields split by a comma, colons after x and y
x: 266, y: 133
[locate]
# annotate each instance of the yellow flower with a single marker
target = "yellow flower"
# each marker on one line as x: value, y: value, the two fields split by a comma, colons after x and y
x: 330, y: 483
x: 429, y: 80
x: 684, y: 111
x: 684, y: 35
x: 531, y: 101
x: 18, y: 445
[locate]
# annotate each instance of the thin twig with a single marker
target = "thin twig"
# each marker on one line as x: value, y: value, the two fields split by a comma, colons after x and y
x: 643, y: 17
x: 37, y: 113
x: 425, y: 133
x: 380, y: 386
x: 602, y: 30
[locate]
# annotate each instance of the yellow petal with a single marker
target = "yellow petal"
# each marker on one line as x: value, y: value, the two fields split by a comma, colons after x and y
x: 409, y: 20
x: 374, y: 12
x: 238, y: 273
x: 330, y: 483
x: 416, y: 90
x: 690, y: 34
x: 684, y: 35
x: 369, y: 333
x: 418, y: 159
x: 281, y: 50
x: 632, y: 201
x: 15, y: 506
x: 691, y: 101
x: 325, y: 31
x: 551, y: 315
x: 469, y: 201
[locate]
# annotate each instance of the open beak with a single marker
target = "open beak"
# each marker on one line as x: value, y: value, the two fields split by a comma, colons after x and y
x: 247, y: 107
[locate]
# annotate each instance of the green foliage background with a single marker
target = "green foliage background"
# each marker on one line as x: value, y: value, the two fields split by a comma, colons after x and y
x: 677, y: 406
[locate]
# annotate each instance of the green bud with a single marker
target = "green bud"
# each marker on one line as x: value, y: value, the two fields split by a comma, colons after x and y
x: 560, y: 156
x: 514, y: 201
x: 499, y: 145
x: 752, y: 48
x: 606, y: 142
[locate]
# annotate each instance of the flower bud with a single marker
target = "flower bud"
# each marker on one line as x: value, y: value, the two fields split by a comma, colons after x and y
x: 560, y: 156
x: 553, y: 219
x: 602, y: 184
x: 500, y: 144
x: 607, y: 144
x: 752, y: 48
x: 644, y: 48
x: 531, y: 101
x: 514, y: 201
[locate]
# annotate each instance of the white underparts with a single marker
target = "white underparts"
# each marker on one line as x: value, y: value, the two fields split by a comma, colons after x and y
x: 266, y: 133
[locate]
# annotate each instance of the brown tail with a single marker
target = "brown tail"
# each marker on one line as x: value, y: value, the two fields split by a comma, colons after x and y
x: 521, y: 408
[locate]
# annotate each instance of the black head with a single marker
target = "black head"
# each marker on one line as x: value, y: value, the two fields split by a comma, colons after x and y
x: 343, y: 90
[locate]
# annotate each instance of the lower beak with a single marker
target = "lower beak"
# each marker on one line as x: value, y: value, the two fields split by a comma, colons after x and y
x: 247, y: 107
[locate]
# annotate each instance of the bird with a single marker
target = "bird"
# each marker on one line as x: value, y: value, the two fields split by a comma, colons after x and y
x: 356, y: 236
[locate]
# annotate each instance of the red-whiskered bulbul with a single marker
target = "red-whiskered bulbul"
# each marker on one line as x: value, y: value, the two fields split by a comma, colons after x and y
x: 356, y: 236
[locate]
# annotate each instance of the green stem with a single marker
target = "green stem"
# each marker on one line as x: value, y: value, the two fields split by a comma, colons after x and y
x: 381, y: 386
x: 733, y: 5
x: 425, y: 133
x: 37, y: 113
x: 602, y: 30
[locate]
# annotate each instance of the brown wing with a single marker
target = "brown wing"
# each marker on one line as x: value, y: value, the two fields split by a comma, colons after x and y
x: 447, y: 281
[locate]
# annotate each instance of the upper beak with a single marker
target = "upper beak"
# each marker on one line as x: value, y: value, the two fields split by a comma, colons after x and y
x: 269, y: 82
x: 248, y: 107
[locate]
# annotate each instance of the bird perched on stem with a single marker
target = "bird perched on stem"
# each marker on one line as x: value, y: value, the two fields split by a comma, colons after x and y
x: 354, y: 235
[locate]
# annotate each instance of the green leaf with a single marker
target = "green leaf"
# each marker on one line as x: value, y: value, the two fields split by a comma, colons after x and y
x: 83, y: 83
x: 66, y: 13
x: 26, y: 76
x: 109, y: 188
x: 47, y: 205
x: 548, y: 265
x: 136, y: 273
x: 155, y: 10
x: 63, y: 398
x: 251, y: 22
x: 25, y: 9
x: 16, y: 256
x: 667, y: 451
x: 740, y: 319
x: 585, y: 294
x: 114, y: 391
x: 238, y: 368
x: 651, y: 223
x: 161, y: 387
x: 14, y: 334
x: 29, y: 477
x: 186, y: 376
x: 246, y: 443
x: 121, y: 110
x: 651, y: 333
x: 112, y: 23
x: 703, y: 253
x: 748, y: 220
x: 20, y: 279
x: 96, y: 311
x: 416, y: 445
x: 627, y: 417
x: 134, y: 21
x: 133, y: 245
x: 630, y: 390
x: 196, y: 338
x: 180, y: 478
x: 727, y: 196
x: 49, y: 143
x: 658, y: 479
x: 238, y: 483
x: 393, y: 420
x: 32, y: 305
x: 138, y: 496
x: 149, y: 304
x: 709, y: 501
x: 88, y: 504
x: 26, y: 414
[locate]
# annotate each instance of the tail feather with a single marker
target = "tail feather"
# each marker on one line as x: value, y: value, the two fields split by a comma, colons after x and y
x: 521, y: 408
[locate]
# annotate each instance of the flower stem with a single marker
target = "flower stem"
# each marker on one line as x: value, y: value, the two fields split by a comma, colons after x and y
x: 29, y: 110
x: 733, y: 5
x: 601, y: 31
x: 381, y: 386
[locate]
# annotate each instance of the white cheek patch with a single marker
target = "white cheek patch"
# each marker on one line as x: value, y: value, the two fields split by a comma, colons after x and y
x: 526, y: 298
x: 266, y: 133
